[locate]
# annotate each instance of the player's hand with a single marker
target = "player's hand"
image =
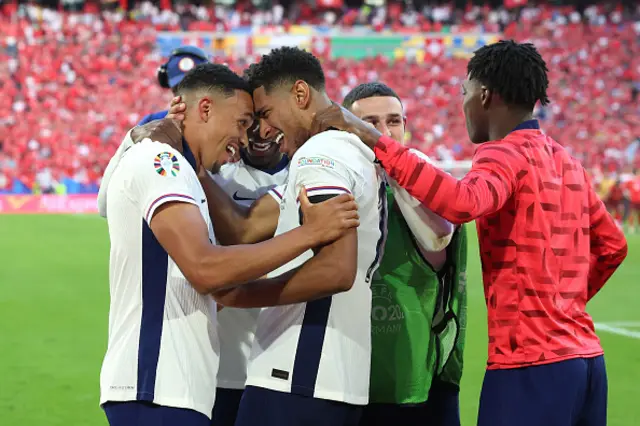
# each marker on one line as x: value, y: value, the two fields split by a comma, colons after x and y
x: 165, y: 130
x: 338, y: 117
x: 329, y: 220
x: 177, y: 109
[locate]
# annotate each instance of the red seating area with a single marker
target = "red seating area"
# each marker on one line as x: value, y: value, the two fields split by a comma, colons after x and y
x: 72, y: 85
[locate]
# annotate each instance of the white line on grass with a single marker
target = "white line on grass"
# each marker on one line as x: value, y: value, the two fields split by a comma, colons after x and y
x: 623, y: 324
x: 618, y: 330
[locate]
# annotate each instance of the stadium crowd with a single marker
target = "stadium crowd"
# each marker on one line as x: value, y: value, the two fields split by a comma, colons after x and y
x: 75, y: 82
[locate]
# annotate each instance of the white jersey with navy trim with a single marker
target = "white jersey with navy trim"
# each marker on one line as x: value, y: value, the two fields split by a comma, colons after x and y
x: 163, y: 344
x: 322, y: 348
x: 245, y: 184
x: 236, y: 327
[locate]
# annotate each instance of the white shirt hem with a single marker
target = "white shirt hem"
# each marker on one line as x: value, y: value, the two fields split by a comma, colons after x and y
x: 230, y: 384
x: 319, y: 393
x: 205, y: 409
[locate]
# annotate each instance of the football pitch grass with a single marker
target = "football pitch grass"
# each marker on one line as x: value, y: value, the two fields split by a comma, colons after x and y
x: 54, y: 299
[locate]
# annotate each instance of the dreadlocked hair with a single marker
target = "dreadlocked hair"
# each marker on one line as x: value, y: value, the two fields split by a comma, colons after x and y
x: 515, y: 71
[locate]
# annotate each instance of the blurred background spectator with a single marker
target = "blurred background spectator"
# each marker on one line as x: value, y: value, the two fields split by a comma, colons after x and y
x: 76, y: 74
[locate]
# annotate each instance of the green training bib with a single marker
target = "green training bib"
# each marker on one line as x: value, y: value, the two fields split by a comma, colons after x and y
x: 416, y: 330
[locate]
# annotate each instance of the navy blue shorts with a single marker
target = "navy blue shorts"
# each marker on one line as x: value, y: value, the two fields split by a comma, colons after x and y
x: 566, y: 393
x: 441, y: 409
x: 443, y: 405
x: 141, y: 413
x: 226, y: 407
x: 265, y: 407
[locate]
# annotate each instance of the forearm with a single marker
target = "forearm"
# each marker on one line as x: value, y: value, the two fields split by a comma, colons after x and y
x: 607, y: 243
x: 230, y: 220
x: 601, y: 269
x: 319, y: 277
x: 479, y: 193
x: 229, y: 266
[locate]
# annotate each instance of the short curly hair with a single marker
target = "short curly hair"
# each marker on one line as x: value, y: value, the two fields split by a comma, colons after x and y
x: 286, y: 65
x: 368, y: 90
x: 212, y: 77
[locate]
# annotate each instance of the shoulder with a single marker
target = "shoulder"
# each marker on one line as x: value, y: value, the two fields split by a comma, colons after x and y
x: 339, y: 146
x: 228, y: 170
x: 152, y: 157
x: 508, y: 150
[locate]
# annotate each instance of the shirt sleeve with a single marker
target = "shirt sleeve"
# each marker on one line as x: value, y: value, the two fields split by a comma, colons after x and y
x: 322, y: 176
x: 276, y: 193
x: 608, y: 244
x: 158, y: 174
x: 484, y: 190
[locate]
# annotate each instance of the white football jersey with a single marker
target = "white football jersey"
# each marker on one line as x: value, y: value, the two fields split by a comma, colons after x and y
x: 245, y: 184
x: 322, y: 348
x: 163, y: 344
x: 236, y: 327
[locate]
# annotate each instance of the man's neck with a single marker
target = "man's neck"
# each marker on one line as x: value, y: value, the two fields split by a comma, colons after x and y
x: 271, y: 164
x: 191, y: 150
x: 319, y: 102
x: 191, y: 154
x: 505, y: 123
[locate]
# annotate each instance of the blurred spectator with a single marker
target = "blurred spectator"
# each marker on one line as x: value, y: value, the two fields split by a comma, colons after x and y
x: 75, y: 82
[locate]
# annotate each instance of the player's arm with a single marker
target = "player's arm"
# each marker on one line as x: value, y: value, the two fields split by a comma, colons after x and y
x: 332, y: 269
x: 483, y: 190
x: 158, y: 183
x: 607, y: 242
x: 433, y: 233
x: 236, y: 224
x: 182, y: 232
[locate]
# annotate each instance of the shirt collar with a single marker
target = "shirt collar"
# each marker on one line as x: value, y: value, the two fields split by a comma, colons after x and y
x: 528, y: 125
x: 282, y: 164
x: 188, y: 154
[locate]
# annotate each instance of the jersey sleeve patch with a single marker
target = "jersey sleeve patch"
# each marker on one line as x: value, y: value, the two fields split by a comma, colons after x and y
x: 166, y: 163
x: 316, y: 161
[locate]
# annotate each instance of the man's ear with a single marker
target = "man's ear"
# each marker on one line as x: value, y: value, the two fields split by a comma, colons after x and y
x: 486, y: 96
x: 205, y: 108
x: 302, y: 94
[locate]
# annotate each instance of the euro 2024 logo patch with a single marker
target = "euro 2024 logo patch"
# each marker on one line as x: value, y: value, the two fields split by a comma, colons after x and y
x: 317, y: 162
x: 166, y: 163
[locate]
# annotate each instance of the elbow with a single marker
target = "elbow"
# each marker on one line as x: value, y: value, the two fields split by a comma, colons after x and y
x: 619, y: 255
x: 343, y: 278
x: 624, y: 250
x: 445, y: 231
x: 201, y: 282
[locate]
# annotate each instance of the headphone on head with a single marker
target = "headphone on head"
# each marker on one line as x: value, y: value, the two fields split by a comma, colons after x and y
x: 163, y: 77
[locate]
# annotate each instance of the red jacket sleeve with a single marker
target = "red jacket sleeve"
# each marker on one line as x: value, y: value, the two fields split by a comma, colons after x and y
x: 484, y: 190
x: 608, y: 244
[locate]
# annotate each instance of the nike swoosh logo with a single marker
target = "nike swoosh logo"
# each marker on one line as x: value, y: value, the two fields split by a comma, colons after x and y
x: 238, y: 198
